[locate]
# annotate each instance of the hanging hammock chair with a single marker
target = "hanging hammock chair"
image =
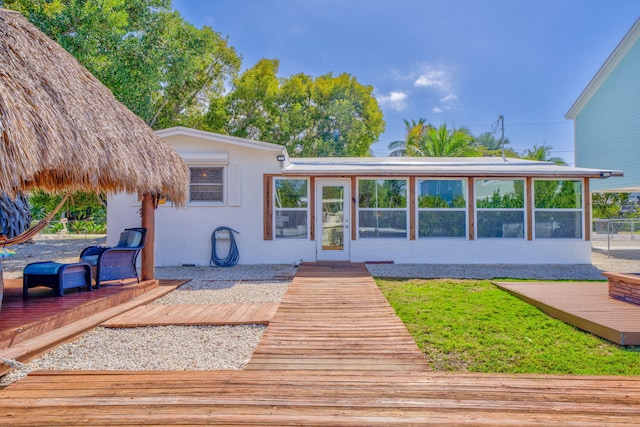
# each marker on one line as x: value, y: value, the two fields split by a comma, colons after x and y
x: 30, y: 233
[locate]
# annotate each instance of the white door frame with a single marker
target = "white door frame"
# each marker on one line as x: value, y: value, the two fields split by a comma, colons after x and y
x: 339, y: 249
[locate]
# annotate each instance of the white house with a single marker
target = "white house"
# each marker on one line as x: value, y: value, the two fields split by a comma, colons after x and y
x: 606, y: 117
x: 395, y: 209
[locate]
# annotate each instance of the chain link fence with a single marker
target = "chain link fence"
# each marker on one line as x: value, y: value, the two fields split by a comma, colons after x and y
x: 616, y: 235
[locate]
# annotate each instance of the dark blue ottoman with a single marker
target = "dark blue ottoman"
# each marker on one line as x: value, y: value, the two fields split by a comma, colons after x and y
x: 56, y: 276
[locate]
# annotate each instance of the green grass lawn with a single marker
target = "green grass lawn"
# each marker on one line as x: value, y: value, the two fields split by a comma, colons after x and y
x: 471, y: 325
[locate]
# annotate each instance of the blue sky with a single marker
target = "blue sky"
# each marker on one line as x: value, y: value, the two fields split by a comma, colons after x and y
x: 459, y: 62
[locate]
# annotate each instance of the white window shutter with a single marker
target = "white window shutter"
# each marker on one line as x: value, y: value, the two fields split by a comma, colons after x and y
x: 235, y: 181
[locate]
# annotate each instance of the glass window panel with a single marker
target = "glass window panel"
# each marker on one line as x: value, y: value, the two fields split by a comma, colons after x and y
x: 291, y: 193
x: 382, y: 193
x: 291, y: 224
x: 558, y: 194
x: 500, y: 194
x: 496, y: 223
x: 208, y: 193
x: 558, y: 225
x: 438, y: 193
x: 206, y: 184
x: 206, y: 175
x: 378, y: 224
x: 441, y: 223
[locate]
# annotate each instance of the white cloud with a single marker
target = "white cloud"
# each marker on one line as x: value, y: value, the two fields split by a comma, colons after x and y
x: 435, y: 78
x: 438, y: 79
x: 449, y: 97
x: 395, y: 100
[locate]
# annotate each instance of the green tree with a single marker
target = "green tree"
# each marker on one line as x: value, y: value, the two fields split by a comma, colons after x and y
x: 326, y: 116
x: 414, y: 132
x: 252, y: 105
x: 542, y: 153
x: 490, y: 146
x: 422, y: 139
x: 607, y: 205
x: 442, y: 142
x: 158, y: 65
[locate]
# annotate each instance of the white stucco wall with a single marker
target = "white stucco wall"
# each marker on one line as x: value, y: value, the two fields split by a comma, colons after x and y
x: 183, y: 235
x: 482, y: 251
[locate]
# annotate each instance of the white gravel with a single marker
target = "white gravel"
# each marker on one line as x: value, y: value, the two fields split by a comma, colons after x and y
x: 226, y: 292
x: 155, y: 348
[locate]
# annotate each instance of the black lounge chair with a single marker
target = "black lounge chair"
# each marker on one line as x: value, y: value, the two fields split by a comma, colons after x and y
x: 117, y: 262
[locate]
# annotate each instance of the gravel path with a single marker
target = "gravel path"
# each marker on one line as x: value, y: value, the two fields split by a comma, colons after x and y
x: 230, y: 347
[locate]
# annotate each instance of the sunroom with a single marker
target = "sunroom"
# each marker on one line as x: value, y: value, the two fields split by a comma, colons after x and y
x: 427, y: 210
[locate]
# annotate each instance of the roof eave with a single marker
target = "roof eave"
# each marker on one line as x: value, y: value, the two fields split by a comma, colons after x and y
x: 211, y: 136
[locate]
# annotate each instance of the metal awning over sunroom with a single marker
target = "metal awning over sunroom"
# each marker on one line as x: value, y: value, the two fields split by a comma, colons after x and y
x: 437, y: 166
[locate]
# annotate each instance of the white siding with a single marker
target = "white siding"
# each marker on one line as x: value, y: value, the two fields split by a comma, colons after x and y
x: 607, y: 129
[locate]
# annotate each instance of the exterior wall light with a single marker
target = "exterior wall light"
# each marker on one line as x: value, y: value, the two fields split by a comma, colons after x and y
x: 605, y: 174
x: 280, y: 157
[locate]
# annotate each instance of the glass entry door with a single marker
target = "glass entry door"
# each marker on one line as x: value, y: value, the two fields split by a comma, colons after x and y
x: 332, y: 219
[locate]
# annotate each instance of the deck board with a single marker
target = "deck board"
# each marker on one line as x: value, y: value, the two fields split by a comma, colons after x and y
x: 194, y: 314
x: 585, y: 305
x: 329, y: 398
x: 333, y: 316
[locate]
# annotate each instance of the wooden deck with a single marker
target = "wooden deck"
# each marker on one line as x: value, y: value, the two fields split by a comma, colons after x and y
x: 194, y: 314
x: 28, y: 328
x: 585, y: 305
x: 333, y: 316
x: 326, y: 359
x: 318, y: 398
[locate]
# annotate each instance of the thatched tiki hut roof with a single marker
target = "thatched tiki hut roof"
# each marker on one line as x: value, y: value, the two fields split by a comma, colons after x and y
x: 61, y: 129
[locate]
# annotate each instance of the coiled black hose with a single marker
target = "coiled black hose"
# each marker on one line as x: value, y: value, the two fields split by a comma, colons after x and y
x: 232, y: 257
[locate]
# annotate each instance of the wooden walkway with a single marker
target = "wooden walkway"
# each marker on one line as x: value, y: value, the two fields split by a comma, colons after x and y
x: 194, y: 314
x: 326, y: 359
x: 585, y: 305
x: 333, y: 316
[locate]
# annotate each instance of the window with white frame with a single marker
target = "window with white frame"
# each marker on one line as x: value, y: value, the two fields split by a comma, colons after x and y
x: 207, y: 184
x: 500, y: 208
x: 291, y: 208
x: 557, y: 209
x: 382, y: 208
x: 442, y: 207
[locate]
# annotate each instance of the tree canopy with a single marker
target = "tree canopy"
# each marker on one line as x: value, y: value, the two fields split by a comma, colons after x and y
x: 542, y: 153
x: 157, y: 64
x: 423, y: 139
x: 323, y: 116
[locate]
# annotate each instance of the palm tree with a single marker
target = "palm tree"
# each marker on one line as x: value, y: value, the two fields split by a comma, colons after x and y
x: 543, y: 154
x: 413, y: 131
x: 442, y: 142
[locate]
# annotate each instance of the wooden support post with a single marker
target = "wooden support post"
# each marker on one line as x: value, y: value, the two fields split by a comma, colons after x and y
x: 412, y: 208
x: 471, y: 207
x: 312, y: 208
x: 267, y: 204
x: 148, y: 252
x: 586, y: 205
x: 529, y: 205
